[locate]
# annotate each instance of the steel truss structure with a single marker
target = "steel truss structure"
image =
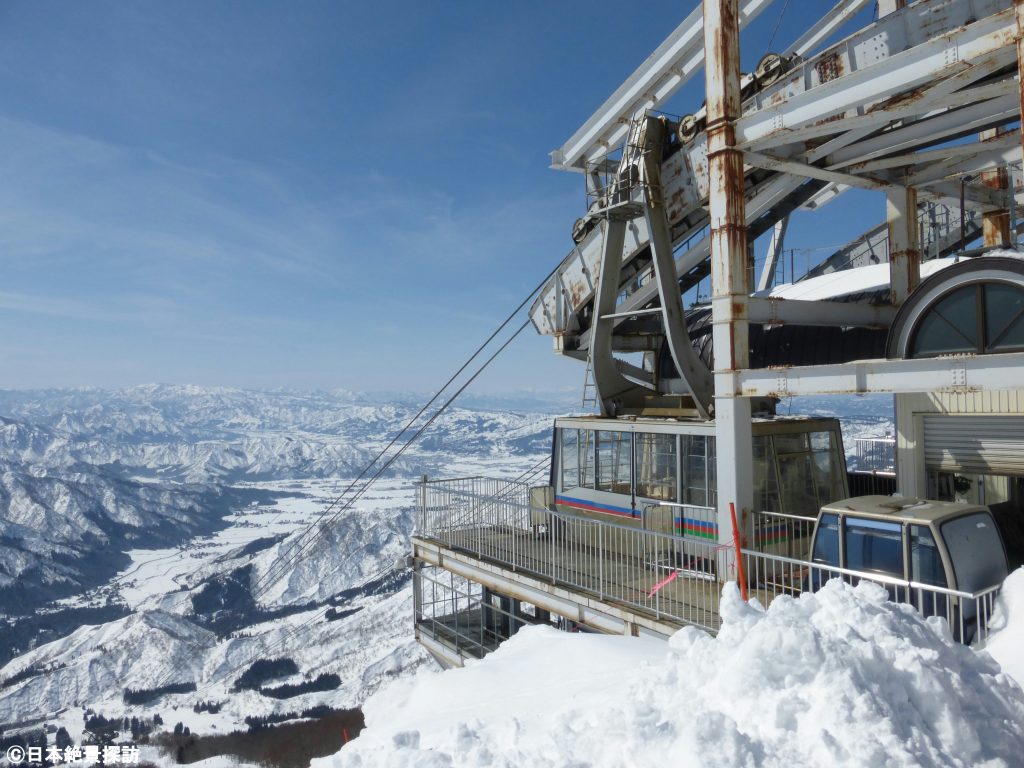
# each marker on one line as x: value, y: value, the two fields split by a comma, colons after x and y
x: 922, y: 104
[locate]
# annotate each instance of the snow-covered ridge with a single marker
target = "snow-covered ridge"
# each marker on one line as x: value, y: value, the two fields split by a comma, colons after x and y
x: 84, y: 471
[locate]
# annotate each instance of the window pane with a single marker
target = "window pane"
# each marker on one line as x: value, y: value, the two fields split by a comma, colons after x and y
x: 613, y: 462
x: 656, y: 466
x: 798, y: 495
x: 712, y: 473
x: 586, y: 445
x: 696, y: 490
x: 874, y: 546
x: 827, y: 468
x: 1004, y: 316
x: 976, y: 551
x: 766, y: 481
x: 826, y: 543
x: 950, y: 326
x: 792, y: 443
x: 925, y: 561
x: 570, y: 458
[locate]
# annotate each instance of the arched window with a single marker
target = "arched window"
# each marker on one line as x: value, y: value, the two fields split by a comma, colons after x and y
x: 976, y: 318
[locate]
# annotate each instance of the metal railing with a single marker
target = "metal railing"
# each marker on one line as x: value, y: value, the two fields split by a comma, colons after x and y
x: 968, y: 614
x: 616, y: 563
x: 876, y: 454
x: 669, y: 577
x: 777, y: 533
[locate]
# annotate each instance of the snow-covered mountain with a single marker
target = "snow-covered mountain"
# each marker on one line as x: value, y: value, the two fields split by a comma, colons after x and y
x: 219, y: 434
x: 86, y: 474
x: 190, y: 533
x: 65, y: 528
x: 341, y: 609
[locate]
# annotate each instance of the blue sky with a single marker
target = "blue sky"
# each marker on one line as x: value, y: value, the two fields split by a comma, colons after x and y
x: 303, y: 194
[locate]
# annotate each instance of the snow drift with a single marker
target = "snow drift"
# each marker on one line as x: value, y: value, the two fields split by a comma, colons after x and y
x: 840, y: 677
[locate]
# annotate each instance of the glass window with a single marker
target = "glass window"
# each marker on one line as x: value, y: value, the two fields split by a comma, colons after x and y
x: 795, y: 442
x: 826, y: 543
x: 1004, y: 317
x: 949, y: 326
x: 570, y: 458
x: 874, y: 546
x: 656, y: 466
x: 586, y: 460
x: 976, y: 551
x: 695, y: 490
x: 828, y: 471
x: 925, y: 560
x: 797, y: 485
x: 766, y: 480
x: 614, y: 459
x: 712, y: 473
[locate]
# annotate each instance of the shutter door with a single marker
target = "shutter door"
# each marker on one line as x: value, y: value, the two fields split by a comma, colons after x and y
x: 986, y: 445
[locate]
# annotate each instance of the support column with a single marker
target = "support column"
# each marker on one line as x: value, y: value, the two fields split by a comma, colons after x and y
x: 729, y: 269
x: 904, y: 251
x: 995, y: 225
x: 1019, y: 8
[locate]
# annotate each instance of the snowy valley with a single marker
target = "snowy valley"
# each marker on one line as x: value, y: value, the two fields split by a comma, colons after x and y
x: 163, y: 539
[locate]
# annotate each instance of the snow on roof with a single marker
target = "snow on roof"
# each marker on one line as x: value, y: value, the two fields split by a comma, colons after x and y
x: 840, y: 677
x: 874, y: 277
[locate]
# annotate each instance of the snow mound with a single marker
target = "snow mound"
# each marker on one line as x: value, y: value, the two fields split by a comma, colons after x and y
x: 841, y: 677
x: 1007, y: 640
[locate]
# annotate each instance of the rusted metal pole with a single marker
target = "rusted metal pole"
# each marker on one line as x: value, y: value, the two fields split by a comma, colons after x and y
x: 730, y: 288
x: 1019, y: 8
x: 995, y: 225
x: 904, y: 251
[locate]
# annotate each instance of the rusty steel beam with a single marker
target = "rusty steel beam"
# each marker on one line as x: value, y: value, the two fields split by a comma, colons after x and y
x: 1018, y: 7
x: 726, y: 203
x: 730, y: 289
x: 995, y: 225
x: 904, y: 249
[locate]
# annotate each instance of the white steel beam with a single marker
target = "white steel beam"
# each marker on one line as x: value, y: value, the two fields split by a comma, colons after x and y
x: 772, y: 311
x: 931, y: 129
x: 903, y: 72
x: 771, y: 259
x: 671, y: 65
x: 967, y: 373
x: 904, y: 249
x: 841, y: 13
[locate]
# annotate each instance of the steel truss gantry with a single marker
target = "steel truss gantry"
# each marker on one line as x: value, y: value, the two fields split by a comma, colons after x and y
x: 899, y: 106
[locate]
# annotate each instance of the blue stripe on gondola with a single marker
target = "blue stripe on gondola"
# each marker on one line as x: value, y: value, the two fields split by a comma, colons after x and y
x: 593, y: 506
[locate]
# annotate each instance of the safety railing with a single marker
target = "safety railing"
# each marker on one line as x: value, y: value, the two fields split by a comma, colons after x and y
x: 968, y: 614
x: 778, y: 533
x: 616, y: 563
x: 670, y: 577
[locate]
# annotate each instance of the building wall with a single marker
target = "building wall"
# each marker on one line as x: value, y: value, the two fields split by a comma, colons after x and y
x: 910, y: 466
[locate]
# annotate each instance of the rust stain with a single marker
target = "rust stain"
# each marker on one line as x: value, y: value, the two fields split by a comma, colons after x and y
x: 899, y: 100
x: 829, y: 68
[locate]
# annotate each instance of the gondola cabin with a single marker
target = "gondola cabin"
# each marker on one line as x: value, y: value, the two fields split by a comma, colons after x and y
x: 659, y: 474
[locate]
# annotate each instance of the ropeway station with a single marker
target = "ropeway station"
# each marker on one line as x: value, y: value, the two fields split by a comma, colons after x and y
x: 687, y: 477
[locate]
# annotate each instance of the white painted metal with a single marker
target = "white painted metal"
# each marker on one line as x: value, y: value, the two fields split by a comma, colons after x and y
x: 992, y: 445
x: 671, y: 65
x: 967, y: 373
x: 771, y: 259
x: 770, y: 311
x: 931, y: 40
x: 904, y: 249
